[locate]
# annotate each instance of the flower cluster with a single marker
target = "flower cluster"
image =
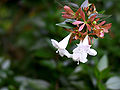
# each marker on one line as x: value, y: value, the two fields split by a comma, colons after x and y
x: 86, y: 24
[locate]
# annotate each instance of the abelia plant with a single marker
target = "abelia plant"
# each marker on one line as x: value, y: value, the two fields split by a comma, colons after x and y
x: 84, y: 25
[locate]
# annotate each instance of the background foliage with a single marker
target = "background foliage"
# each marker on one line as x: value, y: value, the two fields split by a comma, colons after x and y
x: 28, y: 60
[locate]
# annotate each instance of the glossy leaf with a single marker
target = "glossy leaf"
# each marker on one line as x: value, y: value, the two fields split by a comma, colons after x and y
x: 103, y: 63
x: 65, y: 25
x: 113, y: 83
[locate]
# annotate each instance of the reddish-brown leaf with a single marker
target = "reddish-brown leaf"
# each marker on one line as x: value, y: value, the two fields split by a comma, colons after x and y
x: 69, y: 30
x: 91, y: 18
x: 71, y: 38
x: 103, y: 22
x: 96, y: 26
x: 97, y: 19
x: 107, y: 26
x: 88, y: 26
x: 82, y: 14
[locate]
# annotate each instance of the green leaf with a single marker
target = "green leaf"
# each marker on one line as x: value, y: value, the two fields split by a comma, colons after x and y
x: 103, y: 63
x: 48, y: 63
x: 101, y: 86
x: 97, y: 73
x: 38, y: 84
x: 105, y: 73
x: 33, y: 84
x: 43, y: 53
x: 78, y: 84
x: 102, y: 12
x: 113, y: 83
x: 65, y: 25
x: 70, y: 20
x: 5, y: 65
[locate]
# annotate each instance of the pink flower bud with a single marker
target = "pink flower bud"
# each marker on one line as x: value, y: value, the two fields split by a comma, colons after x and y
x: 68, y: 10
x: 101, y: 34
x: 67, y: 16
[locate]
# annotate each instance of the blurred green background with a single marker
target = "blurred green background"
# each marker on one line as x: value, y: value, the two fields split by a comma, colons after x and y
x: 28, y: 60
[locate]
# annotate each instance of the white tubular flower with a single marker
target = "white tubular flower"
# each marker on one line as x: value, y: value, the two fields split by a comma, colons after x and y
x: 81, y: 51
x: 61, y: 46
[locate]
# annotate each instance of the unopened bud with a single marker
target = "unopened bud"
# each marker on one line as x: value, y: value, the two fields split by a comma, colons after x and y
x: 94, y: 22
x: 68, y: 10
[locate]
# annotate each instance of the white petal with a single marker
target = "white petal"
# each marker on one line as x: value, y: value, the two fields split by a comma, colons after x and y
x: 76, y: 50
x: 92, y: 52
x: 66, y: 53
x: 64, y: 42
x: 75, y: 56
x: 80, y: 57
x: 55, y: 43
x: 83, y: 57
x: 85, y: 41
x: 84, y: 60
x: 63, y: 52
x: 84, y: 4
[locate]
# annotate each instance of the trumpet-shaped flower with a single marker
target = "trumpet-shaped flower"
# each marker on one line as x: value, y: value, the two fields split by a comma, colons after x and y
x: 61, y: 46
x: 81, y: 51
